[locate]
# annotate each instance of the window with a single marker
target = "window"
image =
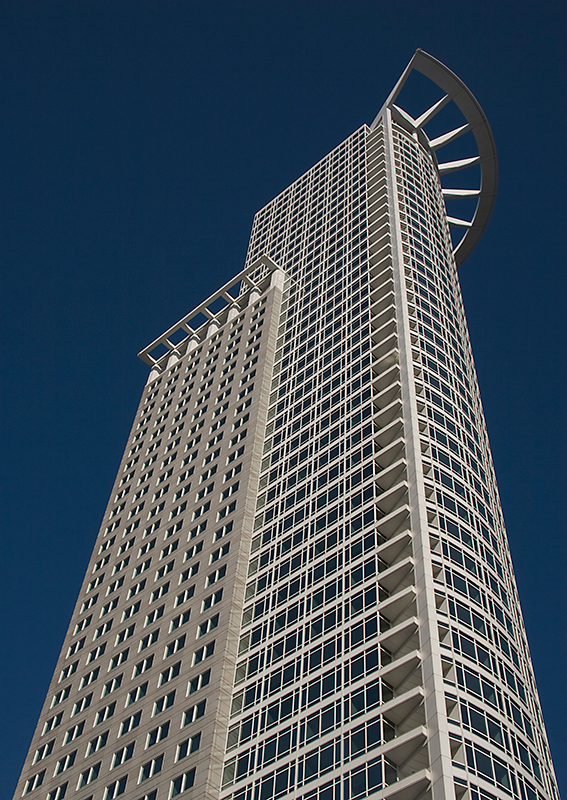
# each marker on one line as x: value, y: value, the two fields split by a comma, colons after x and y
x: 208, y: 626
x: 226, y: 510
x: 216, y: 425
x: 184, y: 596
x: 162, y: 571
x: 137, y: 694
x: 96, y: 653
x: 148, y: 640
x: 160, y: 592
x: 145, y: 548
x: 181, y: 619
x: 156, y: 510
x: 238, y: 438
x: 234, y: 455
x: 219, y: 553
x: 142, y: 567
x: 66, y: 762
x: 232, y: 472
x: 206, y: 475
x: 243, y: 406
x: 62, y: 695
x: 151, y: 529
x: 205, y: 490
x: 69, y: 670
x: 196, y: 548
x: 125, y: 634
x: 215, y: 440
x: 216, y: 575
x: 43, y: 751
x: 212, y: 600
x: 124, y: 754
x: 115, y: 585
x: 226, y: 529
x: 74, y: 732
x: 136, y: 510
x: 97, y: 744
x: 121, y: 565
x: 90, y: 677
x: 75, y: 647
x: 220, y: 410
x: 118, y: 659
x: 169, y: 674
x: 203, y: 652
x: 174, y: 529
x: 89, y: 775
x: 130, y: 723
x: 230, y: 490
x: 175, y: 646
x: 82, y: 704
x: 130, y: 611
x: 126, y: 545
x: 52, y: 723
x: 105, y: 713
x: 241, y: 421
x: 145, y: 477
x: 163, y: 477
x: 189, y: 573
x: 161, y: 492
x: 104, y: 629
x: 212, y: 456
x: 115, y: 789
x: 158, y: 734
x: 164, y: 702
x: 58, y: 793
x: 151, y: 768
x: 34, y: 782
x: 84, y: 623
x: 142, y: 666
x: 89, y: 603
x: 188, y: 746
x: 154, y: 615
x: 199, y: 682
x: 193, y: 455
x: 112, y: 686
x: 193, y: 713
x: 171, y: 547
x: 107, y: 609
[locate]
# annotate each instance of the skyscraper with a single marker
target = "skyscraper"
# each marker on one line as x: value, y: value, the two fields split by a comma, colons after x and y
x: 302, y: 585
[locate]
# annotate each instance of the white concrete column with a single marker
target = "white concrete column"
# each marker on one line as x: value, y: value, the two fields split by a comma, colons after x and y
x: 174, y: 357
x: 253, y: 297
x: 277, y: 279
x: 193, y: 342
x: 155, y: 372
x: 213, y: 328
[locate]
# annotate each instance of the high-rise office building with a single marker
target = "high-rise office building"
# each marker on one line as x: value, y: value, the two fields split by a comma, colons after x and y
x: 302, y: 586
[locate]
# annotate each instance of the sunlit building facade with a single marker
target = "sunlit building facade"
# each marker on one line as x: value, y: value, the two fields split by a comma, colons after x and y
x: 302, y: 586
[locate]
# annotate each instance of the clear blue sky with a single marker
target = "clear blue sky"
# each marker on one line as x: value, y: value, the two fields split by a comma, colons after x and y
x: 137, y: 140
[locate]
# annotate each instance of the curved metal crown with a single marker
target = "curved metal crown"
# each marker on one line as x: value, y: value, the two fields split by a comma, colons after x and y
x: 476, y: 122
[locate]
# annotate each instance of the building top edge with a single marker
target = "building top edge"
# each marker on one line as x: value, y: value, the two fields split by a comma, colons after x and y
x: 475, y: 121
x: 215, y: 310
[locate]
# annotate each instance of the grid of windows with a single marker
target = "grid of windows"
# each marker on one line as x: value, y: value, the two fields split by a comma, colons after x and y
x: 137, y: 563
x: 258, y: 565
x: 474, y: 583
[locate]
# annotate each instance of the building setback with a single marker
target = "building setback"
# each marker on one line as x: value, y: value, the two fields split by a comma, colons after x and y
x: 302, y: 586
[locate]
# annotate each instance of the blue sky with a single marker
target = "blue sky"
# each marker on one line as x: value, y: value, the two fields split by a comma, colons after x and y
x: 137, y: 141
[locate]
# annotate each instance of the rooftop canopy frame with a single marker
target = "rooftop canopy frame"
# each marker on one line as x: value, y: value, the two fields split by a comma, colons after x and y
x: 475, y: 121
